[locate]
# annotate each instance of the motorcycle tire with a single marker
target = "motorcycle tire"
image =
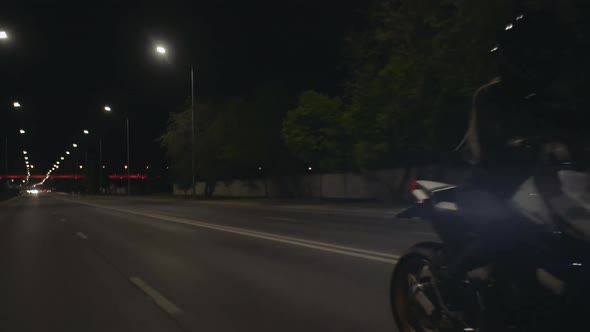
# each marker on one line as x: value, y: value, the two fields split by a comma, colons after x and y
x: 409, y: 315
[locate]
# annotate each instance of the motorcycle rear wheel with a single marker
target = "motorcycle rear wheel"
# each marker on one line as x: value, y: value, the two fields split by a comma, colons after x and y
x: 408, y: 279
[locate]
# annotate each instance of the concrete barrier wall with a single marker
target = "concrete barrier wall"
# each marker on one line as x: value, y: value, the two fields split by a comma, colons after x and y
x: 381, y: 185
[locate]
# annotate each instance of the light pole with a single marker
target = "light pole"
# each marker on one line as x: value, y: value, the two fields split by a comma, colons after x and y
x: 161, y: 50
x: 108, y: 109
x: 128, y: 163
x: 15, y: 105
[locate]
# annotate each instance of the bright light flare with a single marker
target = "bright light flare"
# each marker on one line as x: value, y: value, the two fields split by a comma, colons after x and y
x: 86, y: 132
x: 16, y: 104
x: 3, y: 35
x: 22, y: 131
x: 161, y: 50
x: 107, y: 108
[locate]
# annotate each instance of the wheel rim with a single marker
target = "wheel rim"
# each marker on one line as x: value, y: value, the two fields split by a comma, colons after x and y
x: 409, y: 314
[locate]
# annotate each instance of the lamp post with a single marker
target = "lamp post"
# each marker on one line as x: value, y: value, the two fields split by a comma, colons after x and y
x: 108, y: 109
x: 15, y: 105
x: 161, y: 50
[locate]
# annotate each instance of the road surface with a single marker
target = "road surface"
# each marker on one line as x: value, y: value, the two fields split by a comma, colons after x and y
x: 73, y: 263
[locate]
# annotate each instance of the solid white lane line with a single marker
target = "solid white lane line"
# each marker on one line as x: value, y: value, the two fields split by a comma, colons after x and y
x: 281, y: 219
x: 328, y: 247
x: 82, y: 236
x: 158, y: 298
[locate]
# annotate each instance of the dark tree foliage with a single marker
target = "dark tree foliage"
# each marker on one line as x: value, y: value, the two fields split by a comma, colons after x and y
x: 412, y: 69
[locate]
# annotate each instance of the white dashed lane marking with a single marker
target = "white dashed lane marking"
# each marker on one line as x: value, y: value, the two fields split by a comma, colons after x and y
x: 158, y: 298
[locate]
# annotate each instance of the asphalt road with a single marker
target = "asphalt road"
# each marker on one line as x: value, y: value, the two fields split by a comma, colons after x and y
x: 114, y: 264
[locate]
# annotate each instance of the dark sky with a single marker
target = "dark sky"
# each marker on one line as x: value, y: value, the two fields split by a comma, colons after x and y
x: 64, y: 61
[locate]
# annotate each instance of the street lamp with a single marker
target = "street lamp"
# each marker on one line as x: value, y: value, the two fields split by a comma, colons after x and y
x: 62, y: 158
x: 26, y: 158
x: 162, y: 51
x: 86, y: 132
x: 108, y: 109
x: 24, y: 152
x: 22, y: 131
x: 67, y: 152
x: 16, y: 104
x: 3, y: 35
x: 75, y: 145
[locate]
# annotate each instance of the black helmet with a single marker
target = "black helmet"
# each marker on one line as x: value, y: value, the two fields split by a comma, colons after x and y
x: 532, y: 47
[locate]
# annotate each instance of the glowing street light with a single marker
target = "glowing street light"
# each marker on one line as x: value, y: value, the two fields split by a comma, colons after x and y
x: 57, y: 162
x: 75, y: 145
x: 162, y: 51
x: 62, y: 158
x: 32, y: 166
x: 22, y: 131
x: 16, y: 104
x: 86, y: 132
x: 3, y: 35
x: 107, y: 108
x: 26, y: 158
x: 67, y: 152
x: 125, y: 166
x: 81, y: 166
x: 24, y: 152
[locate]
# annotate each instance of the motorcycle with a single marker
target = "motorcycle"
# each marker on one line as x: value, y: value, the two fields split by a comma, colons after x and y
x: 542, y: 286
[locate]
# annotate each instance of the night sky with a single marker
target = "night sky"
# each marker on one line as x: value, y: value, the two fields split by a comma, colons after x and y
x: 64, y: 61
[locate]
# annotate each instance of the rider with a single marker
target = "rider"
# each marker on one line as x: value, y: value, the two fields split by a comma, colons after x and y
x: 531, y: 99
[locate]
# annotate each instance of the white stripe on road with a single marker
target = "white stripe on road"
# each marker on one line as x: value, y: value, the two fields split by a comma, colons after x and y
x: 323, y: 246
x: 281, y: 219
x: 158, y: 298
x: 82, y: 236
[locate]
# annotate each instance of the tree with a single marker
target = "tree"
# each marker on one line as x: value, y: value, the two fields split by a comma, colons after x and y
x: 233, y: 137
x: 314, y: 132
x: 176, y: 142
x: 412, y: 73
